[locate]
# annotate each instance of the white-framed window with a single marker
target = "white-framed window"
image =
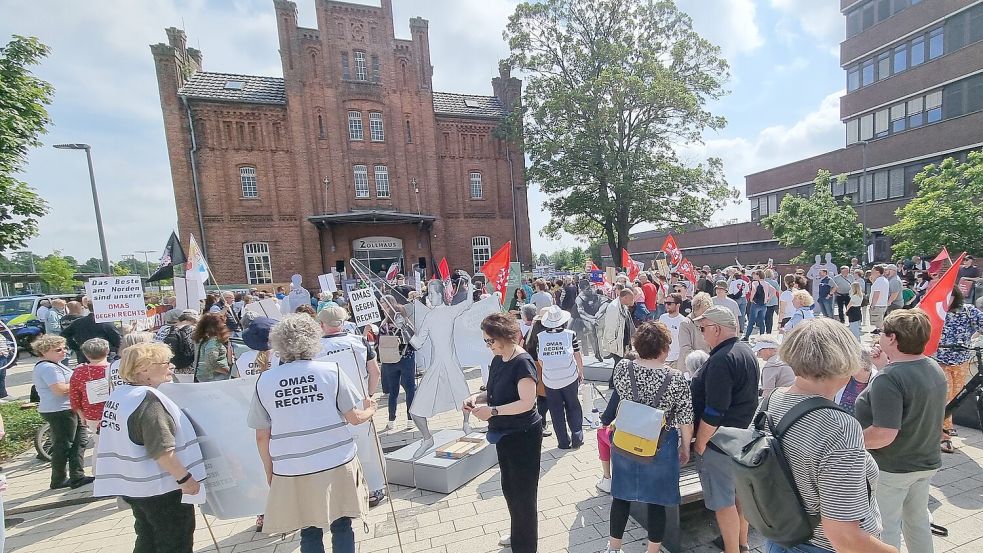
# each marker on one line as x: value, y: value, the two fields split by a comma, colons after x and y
x: 361, y: 71
x: 361, y: 174
x: 247, y: 178
x: 476, y: 192
x: 355, y: 125
x: 377, y: 131
x: 480, y: 251
x: 381, y: 181
x: 259, y: 270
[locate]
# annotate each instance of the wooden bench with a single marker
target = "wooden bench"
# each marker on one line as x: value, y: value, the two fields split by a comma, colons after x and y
x: 691, y: 491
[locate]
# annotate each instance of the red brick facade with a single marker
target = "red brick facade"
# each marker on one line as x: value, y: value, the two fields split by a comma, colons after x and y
x: 295, y: 133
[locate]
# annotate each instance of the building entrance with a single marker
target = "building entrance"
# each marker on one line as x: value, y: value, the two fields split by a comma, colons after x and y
x: 378, y: 252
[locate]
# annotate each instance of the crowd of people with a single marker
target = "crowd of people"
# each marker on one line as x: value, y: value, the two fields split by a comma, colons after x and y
x: 685, y: 355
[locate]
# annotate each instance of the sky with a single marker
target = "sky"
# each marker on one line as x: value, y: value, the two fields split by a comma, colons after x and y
x: 782, y: 106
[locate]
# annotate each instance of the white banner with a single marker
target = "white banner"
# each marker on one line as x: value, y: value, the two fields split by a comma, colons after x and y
x: 236, y: 484
x: 117, y: 299
x: 265, y: 308
x: 246, y: 363
x: 189, y: 293
x: 364, y: 306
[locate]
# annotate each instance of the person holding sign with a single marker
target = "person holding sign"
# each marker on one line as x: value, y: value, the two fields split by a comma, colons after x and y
x: 88, y: 388
x: 148, y: 453
x: 558, y: 353
x: 300, y: 410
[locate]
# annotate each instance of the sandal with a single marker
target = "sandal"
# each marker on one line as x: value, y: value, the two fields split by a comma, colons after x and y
x: 259, y: 523
x: 947, y: 447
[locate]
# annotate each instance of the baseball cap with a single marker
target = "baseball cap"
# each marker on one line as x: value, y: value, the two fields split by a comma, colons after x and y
x: 257, y: 334
x: 333, y: 315
x: 765, y: 343
x: 719, y: 315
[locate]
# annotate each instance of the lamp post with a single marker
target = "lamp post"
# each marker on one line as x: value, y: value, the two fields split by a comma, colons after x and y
x: 864, y: 199
x: 146, y: 260
x: 95, y: 201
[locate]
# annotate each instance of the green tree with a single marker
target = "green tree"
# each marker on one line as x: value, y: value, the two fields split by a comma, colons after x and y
x: 23, y: 118
x: 612, y: 87
x: 817, y: 224
x: 947, y: 211
x: 92, y: 265
x: 57, y: 272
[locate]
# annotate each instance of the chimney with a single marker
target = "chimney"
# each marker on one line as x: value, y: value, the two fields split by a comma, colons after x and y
x: 507, y: 89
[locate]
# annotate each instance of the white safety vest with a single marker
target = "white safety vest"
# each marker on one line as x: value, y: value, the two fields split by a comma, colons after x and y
x: 556, y: 355
x: 336, y: 343
x: 112, y: 376
x: 246, y: 365
x: 308, y: 434
x: 123, y: 467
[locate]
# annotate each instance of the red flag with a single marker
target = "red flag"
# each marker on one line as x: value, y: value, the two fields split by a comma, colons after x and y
x: 445, y: 273
x: 393, y: 271
x: 590, y: 266
x: 687, y: 270
x: 496, y: 270
x: 936, y: 304
x: 633, y: 267
x: 935, y: 266
x: 672, y: 250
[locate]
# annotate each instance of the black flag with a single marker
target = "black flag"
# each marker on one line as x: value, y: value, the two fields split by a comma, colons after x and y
x: 173, y: 255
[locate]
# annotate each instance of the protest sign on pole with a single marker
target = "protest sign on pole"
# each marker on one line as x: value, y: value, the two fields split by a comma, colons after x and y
x: 364, y: 307
x: 265, y: 308
x: 189, y: 293
x: 117, y: 299
x: 327, y: 283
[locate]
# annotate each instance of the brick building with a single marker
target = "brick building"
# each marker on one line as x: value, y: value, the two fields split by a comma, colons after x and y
x: 351, y: 154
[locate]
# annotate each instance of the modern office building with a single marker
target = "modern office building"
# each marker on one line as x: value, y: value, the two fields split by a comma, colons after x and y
x: 351, y: 154
x: 914, y: 80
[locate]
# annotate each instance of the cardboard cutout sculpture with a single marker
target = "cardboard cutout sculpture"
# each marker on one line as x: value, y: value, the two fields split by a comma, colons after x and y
x: 831, y: 268
x: 813, y: 276
x: 298, y: 294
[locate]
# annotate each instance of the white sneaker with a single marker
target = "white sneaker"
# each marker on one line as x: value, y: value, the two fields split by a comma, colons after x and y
x: 390, y: 426
x: 505, y: 541
x: 609, y: 550
x: 604, y: 485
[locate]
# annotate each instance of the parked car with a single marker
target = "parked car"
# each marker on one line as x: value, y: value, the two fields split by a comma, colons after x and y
x: 20, y: 314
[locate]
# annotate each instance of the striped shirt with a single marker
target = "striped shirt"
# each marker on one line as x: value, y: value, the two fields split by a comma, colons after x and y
x: 835, y: 475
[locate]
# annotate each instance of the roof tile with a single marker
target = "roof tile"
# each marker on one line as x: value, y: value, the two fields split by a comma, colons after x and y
x: 448, y: 103
x: 205, y: 85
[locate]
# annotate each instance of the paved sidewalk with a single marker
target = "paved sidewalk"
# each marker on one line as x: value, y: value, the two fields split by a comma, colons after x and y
x: 573, y: 514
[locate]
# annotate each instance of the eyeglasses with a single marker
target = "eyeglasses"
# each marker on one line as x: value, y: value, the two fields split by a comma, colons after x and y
x: 671, y: 303
x: 705, y: 327
x: 489, y: 341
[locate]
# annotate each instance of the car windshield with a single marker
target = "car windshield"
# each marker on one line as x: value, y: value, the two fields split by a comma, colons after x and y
x: 16, y: 306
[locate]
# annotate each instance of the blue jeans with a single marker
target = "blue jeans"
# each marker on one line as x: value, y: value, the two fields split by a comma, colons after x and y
x: 758, y: 312
x: 641, y: 313
x: 826, y: 306
x: 396, y: 374
x: 342, y: 538
x: 772, y: 547
x: 742, y: 309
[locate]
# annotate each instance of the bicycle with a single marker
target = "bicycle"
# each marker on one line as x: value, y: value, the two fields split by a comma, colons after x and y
x: 42, y: 442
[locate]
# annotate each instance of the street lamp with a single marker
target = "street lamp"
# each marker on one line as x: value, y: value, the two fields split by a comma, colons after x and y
x: 146, y: 261
x: 864, y: 199
x: 95, y: 200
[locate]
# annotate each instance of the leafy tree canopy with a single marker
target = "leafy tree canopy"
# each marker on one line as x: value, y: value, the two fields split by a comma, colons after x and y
x: 23, y: 118
x: 613, y: 87
x: 817, y: 224
x: 947, y: 210
x: 58, y: 273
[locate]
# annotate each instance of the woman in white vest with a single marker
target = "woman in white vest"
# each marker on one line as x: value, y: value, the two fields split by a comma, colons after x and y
x: 148, y: 453
x: 131, y: 339
x: 558, y: 353
x: 301, y: 412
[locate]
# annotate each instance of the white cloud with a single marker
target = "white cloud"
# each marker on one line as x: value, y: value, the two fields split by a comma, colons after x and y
x: 821, y: 19
x: 730, y: 24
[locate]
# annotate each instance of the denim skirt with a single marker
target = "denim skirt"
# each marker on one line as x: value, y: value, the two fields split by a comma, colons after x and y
x: 655, y: 482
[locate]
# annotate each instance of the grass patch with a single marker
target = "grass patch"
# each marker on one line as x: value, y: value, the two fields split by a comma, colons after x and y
x: 21, y: 426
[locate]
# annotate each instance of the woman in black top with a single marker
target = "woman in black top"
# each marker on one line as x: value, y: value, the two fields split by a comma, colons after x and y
x: 514, y: 426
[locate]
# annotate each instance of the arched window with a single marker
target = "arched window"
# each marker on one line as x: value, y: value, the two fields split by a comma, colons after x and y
x: 247, y: 178
x: 480, y: 251
x: 476, y: 191
x: 259, y: 270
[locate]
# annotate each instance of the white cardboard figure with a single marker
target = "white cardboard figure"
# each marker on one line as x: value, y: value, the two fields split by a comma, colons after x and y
x: 813, y: 276
x: 298, y: 294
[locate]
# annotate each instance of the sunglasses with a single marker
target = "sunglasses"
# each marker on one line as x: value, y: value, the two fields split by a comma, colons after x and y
x: 489, y: 341
x: 671, y: 303
x: 705, y: 327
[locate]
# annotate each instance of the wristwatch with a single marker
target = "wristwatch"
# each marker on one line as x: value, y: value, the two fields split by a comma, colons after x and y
x: 494, y: 411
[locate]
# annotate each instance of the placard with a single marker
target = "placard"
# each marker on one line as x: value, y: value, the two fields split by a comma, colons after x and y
x: 364, y: 306
x: 117, y: 299
x: 188, y: 293
x: 97, y: 391
x: 327, y: 283
x: 265, y: 308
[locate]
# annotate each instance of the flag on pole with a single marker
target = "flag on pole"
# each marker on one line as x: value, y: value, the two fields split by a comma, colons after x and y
x: 196, y: 268
x: 935, y: 266
x: 936, y: 304
x: 671, y: 250
x: 687, y: 270
x: 393, y: 271
x: 496, y: 270
x: 173, y: 255
x: 633, y: 267
x: 442, y: 270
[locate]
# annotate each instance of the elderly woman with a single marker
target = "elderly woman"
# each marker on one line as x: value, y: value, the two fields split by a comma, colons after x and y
x: 514, y: 426
x: 212, y: 355
x: 149, y: 455
x: 561, y: 367
x: 847, y: 397
x: 801, y: 309
x: 961, y: 322
x: 649, y: 381
x: 832, y: 471
x: 690, y: 338
x: 775, y: 373
x: 88, y: 388
x: 299, y: 411
x: 131, y: 339
x: 52, y: 381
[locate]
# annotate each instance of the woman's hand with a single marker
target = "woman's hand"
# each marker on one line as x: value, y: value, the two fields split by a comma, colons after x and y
x: 879, y: 358
x: 482, y: 413
x: 683, y: 453
x: 191, y: 486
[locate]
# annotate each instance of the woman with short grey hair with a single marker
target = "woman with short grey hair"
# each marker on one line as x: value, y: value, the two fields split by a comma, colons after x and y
x: 690, y: 338
x: 695, y: 361
x: 825, y: 448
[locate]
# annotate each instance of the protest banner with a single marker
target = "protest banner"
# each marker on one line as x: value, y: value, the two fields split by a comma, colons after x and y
x: 154, y: 320
x: 265, y: 308
x: 236, y: 484
x: 189, y: 293
x: 364, y: 306
x: 117, y: 299
x: 327, y: 283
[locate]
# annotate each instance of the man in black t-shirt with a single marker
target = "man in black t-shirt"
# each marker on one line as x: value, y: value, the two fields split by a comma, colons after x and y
x: 725, y: 393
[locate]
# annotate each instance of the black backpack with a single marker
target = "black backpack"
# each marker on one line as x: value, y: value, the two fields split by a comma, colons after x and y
x: 182, y: 346
x: 765, y: 485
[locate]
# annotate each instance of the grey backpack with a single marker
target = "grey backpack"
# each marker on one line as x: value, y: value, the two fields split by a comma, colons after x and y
x: 765, y: 485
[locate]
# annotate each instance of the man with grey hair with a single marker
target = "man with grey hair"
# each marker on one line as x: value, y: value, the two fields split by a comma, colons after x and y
x: 894, y: 298
x: 335, y: 340
x: 590, y: 307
